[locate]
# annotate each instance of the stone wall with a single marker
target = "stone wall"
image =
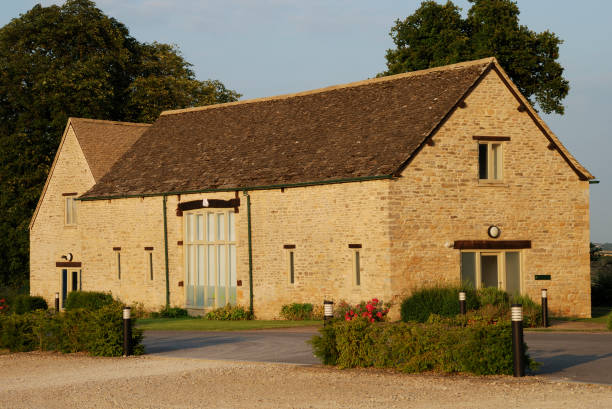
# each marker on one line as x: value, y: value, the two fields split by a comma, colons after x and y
x: 404, y: 225
x: 320, y: 221
x: 540, y: 199
x: 50, y: 238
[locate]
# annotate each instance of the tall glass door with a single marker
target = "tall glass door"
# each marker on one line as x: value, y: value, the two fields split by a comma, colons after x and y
x: 500, y: 269
x: 210, y: 259
x: 489, y: 267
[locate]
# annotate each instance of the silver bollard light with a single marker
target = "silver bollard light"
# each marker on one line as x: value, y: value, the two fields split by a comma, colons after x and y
x: 518, y: 347
x: 127, y: 331
x: 462, y: 308
x: 57, y: 305
x: 328, y: 311
x: 544, y: 307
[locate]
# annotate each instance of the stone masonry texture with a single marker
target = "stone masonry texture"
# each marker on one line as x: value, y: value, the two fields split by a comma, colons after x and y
x: 404, y: 224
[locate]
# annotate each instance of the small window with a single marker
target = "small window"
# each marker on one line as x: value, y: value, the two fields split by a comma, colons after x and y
x: 148, y: 262
x: 150, y: 265
x: 356, y: 248
x: 290, y: 249
x: 490, y: 161
x: 291, y: 267
x: 357, y: 258
x: 118, y: 265
x: 70, y: 211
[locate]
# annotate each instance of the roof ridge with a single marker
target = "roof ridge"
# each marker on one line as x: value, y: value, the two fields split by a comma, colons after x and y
x: 368, y: 81
x: 109, y: 122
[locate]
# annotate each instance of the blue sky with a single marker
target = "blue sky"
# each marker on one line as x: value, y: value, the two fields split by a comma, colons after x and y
x: 268, y: 47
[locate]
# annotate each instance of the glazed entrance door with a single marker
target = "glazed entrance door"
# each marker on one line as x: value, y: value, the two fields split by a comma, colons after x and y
x: 210, y: 258
x: 489, y: 265
x: 64, y: 286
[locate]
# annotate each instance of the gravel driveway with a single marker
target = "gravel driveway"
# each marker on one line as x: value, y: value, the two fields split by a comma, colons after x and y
x: 49, y: 380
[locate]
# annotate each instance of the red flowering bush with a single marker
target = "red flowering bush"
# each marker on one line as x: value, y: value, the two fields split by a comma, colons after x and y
x: 373, y: 310
x: 3, y: 306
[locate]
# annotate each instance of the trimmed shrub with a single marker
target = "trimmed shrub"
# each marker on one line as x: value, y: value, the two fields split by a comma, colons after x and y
x: 601, y: 290
x: 414, y: 347
x: 26, y: 303
x: 8, y: 294
x: 170, y: 312
x: 442, y: 301
x: 89, y: 300
x: 532, y: 311
x: 229, y: 313
x: 297, y: 311
x: 610, y: 322
x: 493, y: 296
x: 99, y: 332
x: 104, y: 333
x: 492, y: 304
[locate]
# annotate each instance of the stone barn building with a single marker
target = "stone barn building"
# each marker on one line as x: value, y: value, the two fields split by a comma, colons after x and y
x: 368, y: 189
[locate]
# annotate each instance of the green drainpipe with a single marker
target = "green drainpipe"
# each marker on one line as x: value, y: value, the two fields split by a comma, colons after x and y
x: 246, y: 193
x: 166, y: 253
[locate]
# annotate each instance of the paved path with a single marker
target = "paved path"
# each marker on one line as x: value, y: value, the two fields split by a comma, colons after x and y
x: 286, y: 345
x: 583, y: 357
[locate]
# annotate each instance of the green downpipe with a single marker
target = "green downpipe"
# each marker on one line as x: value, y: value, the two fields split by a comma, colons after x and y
x: 166, y: 253
x: 246, y: 193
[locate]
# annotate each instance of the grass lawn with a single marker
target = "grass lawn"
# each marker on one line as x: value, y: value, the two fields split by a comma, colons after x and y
x: 199, y: 324
x: 599, y: 314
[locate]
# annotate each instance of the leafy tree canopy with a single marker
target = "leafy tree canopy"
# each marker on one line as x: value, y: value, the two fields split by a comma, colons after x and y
x: 73, y: 60
x: 436, y: 35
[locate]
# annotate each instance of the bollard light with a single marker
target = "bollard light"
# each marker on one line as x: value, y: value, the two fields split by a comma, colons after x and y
x: 544, y: 307
x: 57, y: 306
x: 518, y: 347
x: 127, y: 331
x: 328, y: 310
x: 462, y: 302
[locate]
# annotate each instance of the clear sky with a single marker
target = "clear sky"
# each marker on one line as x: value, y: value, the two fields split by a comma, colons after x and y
x: 268, y: 47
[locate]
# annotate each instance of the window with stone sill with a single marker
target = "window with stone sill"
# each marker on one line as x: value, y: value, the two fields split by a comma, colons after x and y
x: 490, y: 161
x: 70, y: 211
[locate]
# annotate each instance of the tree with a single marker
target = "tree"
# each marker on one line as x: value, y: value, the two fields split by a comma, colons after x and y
x: 437, y: 35
x: 73, y: 60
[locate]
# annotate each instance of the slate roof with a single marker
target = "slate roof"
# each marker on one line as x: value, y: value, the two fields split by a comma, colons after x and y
x: 363, y: 129
x: 103, y: 142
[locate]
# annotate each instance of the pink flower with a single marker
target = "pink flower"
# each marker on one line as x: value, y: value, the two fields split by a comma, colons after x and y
x: 2, y: 300
x: 372, y: 320
x: 370, y: 307
x: 375, y: 300
x: 379, y: 314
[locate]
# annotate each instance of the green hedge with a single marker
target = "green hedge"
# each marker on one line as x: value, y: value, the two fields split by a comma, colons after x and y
x: 297, y: 311
x: 228, y: 313
x: 414, y: 347
x: 99, y: 332
x: 170, y: 312
x: 26, y: 303
x: 436, y: 300
x: 610, y: 322
x: 89, y: 300
x: 493, y: 305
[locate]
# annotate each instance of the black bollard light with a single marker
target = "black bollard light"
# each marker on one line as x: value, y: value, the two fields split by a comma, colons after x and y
x: 328, y: 311
x: 127, y: 331
x: 518, y: 349
x: 544, y: 307
x: 462, y: 303
x: 56, y: 302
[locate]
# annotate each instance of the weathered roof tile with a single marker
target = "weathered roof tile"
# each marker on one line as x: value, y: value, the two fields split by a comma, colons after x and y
x: 369, y: 128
